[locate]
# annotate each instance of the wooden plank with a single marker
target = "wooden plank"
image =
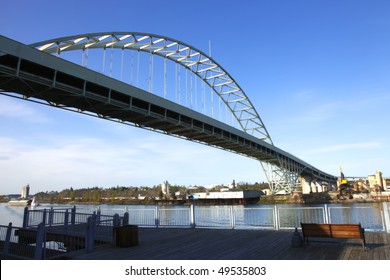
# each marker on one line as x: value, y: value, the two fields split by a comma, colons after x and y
x: 386, y: 240
x: 346, y: 231
x: 381, y: 254
x: 316, y: 230
x: 370, y: 251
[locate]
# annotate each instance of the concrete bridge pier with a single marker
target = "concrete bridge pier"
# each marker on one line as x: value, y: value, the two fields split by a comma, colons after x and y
x: 306, y: 182
x: 311, y: 184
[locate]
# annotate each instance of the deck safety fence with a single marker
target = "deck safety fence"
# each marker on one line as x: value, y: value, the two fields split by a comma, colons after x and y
x: 48, y: 225
x: 46, y: 242
x: 373, y: 217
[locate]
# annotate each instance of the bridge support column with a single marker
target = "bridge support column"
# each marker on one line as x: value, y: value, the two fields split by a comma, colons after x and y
x: 313, y: 185
x: 306, y: 184
x: 319, y: 187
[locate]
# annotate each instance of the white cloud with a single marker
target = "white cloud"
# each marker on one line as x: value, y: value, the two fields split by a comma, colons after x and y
x: 16, y: 109
x: 88, y: 162
x: 346, y: 147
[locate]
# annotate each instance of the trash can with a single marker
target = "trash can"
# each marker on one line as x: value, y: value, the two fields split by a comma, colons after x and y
x: 126, y: 236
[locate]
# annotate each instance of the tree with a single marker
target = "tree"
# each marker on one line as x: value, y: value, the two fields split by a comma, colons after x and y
x: 96, y: 196
x: 72, y: 195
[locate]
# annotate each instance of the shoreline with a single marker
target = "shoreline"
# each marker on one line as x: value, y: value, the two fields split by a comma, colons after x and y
x: 314, y: 198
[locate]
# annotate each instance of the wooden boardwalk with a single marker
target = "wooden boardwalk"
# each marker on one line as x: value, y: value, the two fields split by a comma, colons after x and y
x: 225, y: 244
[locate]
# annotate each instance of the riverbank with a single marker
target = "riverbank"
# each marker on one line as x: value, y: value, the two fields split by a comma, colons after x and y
x: 313, y: 198
x: 318, y: 198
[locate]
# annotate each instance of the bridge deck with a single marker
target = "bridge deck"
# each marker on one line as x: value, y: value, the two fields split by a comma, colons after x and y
x: 218, y: 244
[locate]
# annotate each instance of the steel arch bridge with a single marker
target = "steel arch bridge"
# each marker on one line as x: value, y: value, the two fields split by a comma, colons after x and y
x: 281, y: 168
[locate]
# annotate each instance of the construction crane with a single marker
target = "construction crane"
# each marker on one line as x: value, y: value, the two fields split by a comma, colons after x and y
x: 345, y: 188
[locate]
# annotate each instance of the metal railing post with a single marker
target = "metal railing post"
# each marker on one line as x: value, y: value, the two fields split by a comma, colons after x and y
x: 73, y: 215
x: 276, y: 217
x: 51, y: 216
x: 39, y: 242
x: 7, y: 241
x: 386, y: 216
x: 44, y: 216
x: 125, y: 218
x: 25, y: 217
x: 326, y: 214
x: 116, y: 221
x: 98, y: 215
x: 157, y: 217
x: 66, y: 219
x: 232, y: 217
x: 192, y: 216
x: 90, y: 235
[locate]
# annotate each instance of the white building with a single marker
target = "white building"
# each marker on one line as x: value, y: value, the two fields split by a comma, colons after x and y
x: 25, y: 192
x: 165, y: 188
x: 228, y: 195
x: 376, y: 182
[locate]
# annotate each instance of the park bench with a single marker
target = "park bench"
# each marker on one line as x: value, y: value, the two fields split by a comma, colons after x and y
x: 348, y: 231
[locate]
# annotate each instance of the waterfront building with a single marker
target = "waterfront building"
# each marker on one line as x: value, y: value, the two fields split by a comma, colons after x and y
x: 386, y: 183
x: 371, y: 183
x: 376, y: 182
x: 228, y: 197
x: 25, y: 192
x: 165, y: 188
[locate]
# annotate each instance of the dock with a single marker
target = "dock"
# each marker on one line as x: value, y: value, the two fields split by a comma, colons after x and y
x: 228, y: 244
x: 187, y: 234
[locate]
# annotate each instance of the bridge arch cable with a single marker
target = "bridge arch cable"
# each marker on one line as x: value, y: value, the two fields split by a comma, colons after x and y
x: 192, y: 59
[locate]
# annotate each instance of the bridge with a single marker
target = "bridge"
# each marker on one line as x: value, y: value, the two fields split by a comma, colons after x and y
x: 50, y: 73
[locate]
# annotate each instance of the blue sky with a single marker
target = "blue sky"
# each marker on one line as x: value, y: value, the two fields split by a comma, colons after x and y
x: 318, y: 73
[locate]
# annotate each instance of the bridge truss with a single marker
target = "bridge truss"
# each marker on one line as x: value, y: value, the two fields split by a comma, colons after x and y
x: 282, y: 172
